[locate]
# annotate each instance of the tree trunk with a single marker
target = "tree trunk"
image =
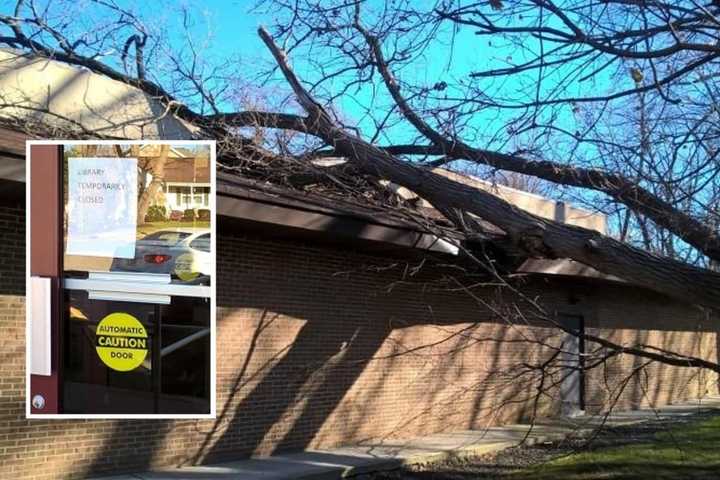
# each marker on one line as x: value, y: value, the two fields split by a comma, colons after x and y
x: 157, y: 170
x: 536, y: 236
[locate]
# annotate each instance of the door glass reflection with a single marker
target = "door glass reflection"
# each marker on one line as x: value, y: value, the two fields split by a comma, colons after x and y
x: 170, y: 194
x: 173, y: 377
x: 92, y: 386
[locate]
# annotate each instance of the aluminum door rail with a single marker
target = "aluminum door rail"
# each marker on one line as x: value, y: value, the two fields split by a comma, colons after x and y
x: 134, y: 287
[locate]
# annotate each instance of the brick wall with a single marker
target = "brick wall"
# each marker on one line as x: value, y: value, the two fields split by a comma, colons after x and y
x: 623, y: 316
x: 297, y: 326
x: 12, y: 250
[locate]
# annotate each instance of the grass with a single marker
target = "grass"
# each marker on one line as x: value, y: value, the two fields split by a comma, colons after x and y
x: 690, y: 451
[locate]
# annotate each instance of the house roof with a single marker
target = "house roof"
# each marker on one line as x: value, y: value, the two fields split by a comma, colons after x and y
x: 188, y: 170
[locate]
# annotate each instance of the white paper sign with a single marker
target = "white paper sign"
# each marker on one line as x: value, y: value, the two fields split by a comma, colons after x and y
x: 102, y: 207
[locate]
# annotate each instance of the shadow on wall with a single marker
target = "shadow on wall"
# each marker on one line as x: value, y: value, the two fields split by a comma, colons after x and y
x: 311, y: 321
x: 645, y: 318
x: 287, y: 385
x: 628, y: 382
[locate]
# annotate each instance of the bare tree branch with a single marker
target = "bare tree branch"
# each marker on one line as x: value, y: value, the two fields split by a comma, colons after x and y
x: 537, y: 236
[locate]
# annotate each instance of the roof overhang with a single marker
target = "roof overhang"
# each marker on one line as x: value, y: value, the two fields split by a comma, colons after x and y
x: 242, y: 201
x: 564, y: 267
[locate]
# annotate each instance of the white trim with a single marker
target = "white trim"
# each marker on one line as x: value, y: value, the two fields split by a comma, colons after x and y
x: 130, y: 277
x: 150, y: 288
x: 40, y: 308
x: 129, y: 297
x: 187, y: 184
x: 28, y: 288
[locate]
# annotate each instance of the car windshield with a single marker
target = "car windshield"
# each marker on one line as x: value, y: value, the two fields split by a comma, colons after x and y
x: 165, y: 238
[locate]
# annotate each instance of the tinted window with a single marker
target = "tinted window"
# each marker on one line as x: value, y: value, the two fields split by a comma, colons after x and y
x: 174, y: 377
x: 201, y: 243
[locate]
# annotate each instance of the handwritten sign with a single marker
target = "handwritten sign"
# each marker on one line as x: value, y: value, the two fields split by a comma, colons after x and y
x: 102, y: 207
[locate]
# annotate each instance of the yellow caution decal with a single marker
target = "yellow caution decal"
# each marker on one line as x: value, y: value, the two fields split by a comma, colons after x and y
x: 121, y: 341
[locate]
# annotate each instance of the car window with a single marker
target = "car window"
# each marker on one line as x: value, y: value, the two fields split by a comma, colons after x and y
x: 165, y: 238
x: 201, y: 243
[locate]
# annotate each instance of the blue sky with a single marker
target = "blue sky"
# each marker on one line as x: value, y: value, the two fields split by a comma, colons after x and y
x: 227, y: 29
x: 231, y: 27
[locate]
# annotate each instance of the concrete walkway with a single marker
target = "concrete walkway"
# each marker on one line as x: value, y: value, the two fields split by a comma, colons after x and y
x: 385, y: 455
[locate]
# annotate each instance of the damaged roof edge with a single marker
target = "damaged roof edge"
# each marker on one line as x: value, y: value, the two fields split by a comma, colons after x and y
x: 237, y: 198
x: 243, y: 199
x: 245, y: 203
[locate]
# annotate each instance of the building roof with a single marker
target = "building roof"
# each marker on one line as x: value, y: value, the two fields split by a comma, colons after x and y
x: 536, y: 204
x: 259, y: 202
x: 32, y: 85
x: 80, y: 99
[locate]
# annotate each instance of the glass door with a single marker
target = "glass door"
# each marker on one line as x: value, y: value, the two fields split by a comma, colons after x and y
x: 137, y: 275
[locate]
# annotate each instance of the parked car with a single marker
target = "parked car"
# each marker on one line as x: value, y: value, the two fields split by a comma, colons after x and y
x: 184, y: 254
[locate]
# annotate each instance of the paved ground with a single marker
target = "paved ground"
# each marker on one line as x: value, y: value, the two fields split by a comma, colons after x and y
x: 342, y: 462
x: 578, y: 459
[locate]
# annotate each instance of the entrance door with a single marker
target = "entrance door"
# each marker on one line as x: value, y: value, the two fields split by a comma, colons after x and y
x: 165, y: 369
x: 572, y: 387
x: 136, y: 283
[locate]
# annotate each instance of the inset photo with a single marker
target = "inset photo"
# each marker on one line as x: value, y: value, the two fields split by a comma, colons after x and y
x: 121, y: 279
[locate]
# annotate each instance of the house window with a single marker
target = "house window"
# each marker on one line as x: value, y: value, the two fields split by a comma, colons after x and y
x: 188, y: 196
x: 202, y: 197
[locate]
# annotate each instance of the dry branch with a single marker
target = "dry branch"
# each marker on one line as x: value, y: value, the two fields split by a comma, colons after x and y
x: 536, y: 236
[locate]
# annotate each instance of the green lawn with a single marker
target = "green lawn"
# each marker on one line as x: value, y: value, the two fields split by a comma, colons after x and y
x: 691, y: 451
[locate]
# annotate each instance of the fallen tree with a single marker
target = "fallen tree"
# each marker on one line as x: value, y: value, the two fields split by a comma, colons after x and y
x: 529, y: 380
x: 534, y: 236
x: 537, y: 236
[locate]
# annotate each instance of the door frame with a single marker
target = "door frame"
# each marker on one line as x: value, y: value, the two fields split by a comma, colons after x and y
x: 580, y: 319
x: 45, y: 238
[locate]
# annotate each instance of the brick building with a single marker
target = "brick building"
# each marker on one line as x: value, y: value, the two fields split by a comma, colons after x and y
x: 328, y: 334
